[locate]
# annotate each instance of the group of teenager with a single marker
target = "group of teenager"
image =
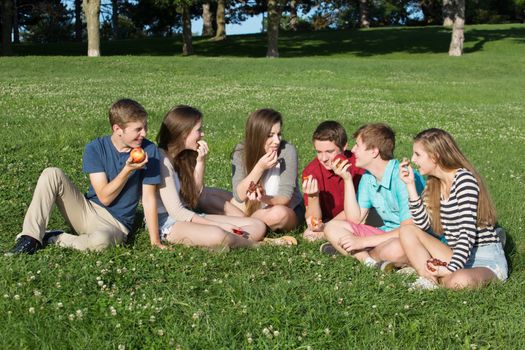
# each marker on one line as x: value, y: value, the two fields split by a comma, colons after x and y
x: 442, y: 228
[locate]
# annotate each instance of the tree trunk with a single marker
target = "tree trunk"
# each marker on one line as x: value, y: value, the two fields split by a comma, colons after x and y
x: 363, y: 14
x: 274, y: 21
x: 92, y: 12
x: 16, y: 29
x: 294, y: 21
x: 114, y: 19
x: 449, y: 8
x: 7, y: 27
x: 78, y: 20
x: 221, y: 20
x: 187, y: 45
x: 456, y: 43
x: 207, y: 23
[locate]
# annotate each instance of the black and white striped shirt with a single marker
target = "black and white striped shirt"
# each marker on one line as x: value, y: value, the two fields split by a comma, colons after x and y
x: 458, y: 219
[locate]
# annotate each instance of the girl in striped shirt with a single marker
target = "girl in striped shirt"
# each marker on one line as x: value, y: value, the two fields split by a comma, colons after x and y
x: 456, y: 205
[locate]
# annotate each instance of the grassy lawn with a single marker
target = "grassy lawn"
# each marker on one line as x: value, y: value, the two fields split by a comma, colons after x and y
x: 271, y: 298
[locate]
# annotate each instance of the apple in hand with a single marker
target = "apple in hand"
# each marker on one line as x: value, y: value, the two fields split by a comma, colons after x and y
x: 137, y: 155
x: 341, y: 159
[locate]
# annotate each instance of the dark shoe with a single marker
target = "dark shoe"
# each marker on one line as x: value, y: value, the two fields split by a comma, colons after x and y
x: 502, y: 235
x: 25, y: 245
x: 51, y: 236
x: 328, y: 249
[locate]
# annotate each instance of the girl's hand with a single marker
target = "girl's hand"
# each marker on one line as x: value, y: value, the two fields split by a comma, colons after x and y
x: 437, y: 268
x: 257, y: 195
x: 310, y: 186
x: 160, y: 246
x: 202, y: 151
x: 228, y: 227
x: 269, y: 160
x: 340, y: 168
x: 406, y: 173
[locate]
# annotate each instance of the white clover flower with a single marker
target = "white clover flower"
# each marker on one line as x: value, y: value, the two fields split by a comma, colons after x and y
x: 121, y: 347
x: 152, y: 318
x: 31, y: 310
x: 275, y: 333
x: 16, y: 297
x: 71, y: 317
x: 160, y: 332
x: 327, y: 331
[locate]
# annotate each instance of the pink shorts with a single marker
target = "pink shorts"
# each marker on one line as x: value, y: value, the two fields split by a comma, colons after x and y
x: 362, y: 230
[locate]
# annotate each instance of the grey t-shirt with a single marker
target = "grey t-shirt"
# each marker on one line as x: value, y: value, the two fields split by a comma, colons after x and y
x: 288, y: 164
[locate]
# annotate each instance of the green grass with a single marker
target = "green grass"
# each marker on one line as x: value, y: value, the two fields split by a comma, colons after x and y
x: 269, y: 297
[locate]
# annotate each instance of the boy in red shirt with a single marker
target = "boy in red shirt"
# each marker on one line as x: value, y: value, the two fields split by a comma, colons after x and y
x: 323, y: 189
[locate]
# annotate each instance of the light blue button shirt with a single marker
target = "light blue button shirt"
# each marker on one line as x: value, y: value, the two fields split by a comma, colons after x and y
x: 389, y: 197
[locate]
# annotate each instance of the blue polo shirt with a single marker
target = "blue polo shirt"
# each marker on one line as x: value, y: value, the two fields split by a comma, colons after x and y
x: 389, y: 197
x: 101, y: 156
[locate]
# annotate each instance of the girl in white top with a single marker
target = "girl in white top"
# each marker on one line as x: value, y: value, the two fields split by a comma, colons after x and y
x: 269, y: 162
x: 183, y: 159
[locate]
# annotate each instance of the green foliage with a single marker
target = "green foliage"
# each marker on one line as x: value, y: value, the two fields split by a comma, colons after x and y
x: 136, y: 297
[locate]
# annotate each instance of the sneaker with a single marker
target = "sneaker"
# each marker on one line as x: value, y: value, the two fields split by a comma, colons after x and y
x: 25, y: 244
x: 408, y: 270
x: 422, y: 283
x: 385, y: 265
x: 50, y: 237
x: 328, y: 249
x: 280, y: 241
x: 502, y: 235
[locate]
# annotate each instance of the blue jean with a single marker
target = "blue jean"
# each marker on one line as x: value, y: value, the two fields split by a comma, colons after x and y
x: 490, y: 256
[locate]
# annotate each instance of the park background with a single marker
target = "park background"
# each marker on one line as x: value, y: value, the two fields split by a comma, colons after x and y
x: 54, y: 100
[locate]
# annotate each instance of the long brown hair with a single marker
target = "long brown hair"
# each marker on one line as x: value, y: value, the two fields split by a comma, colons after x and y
x: 258, y: 128
x: 175, y: 127
x: 442, y: 148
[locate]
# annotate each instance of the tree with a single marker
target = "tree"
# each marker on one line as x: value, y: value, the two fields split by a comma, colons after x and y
x: 92, y: 12
x: 221, y: 20
x: 448, y: 13
x: 114, y: 19
x: 207, y: 22
x: 363, y: 14
x: 456, y: 43
x: 7, y: 26
x: 187, y: 44
x: 274, y: 21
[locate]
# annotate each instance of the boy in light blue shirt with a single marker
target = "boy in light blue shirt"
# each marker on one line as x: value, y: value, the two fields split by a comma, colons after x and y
x: 380, y: 188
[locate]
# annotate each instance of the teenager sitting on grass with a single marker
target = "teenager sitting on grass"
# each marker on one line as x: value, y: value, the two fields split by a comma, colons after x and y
x: 183, y: 156
x: 264, y: 176
x: 105, y: 215
x: 380, y: 188
x: 323, y: 189
x: 456, y: 204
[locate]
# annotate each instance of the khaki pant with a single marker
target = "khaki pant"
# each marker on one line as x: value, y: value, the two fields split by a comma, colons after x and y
x: 96, y: 227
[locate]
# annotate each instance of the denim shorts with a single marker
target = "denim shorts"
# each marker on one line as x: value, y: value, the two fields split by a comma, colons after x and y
x: 165, y: 223
x: 490, y: 256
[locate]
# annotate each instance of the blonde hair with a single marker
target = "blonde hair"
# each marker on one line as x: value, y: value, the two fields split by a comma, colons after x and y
x: 126, y: 110
x: 174, y: 130
x: 442, y: 148
x: 258, y: 127
x: 380, y: 136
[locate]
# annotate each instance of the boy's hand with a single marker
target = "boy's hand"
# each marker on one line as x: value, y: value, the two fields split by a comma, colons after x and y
x: 310, y: 186
x: 406, y: 173
x: 160, y: 246
x: 267, y: 161
x: 202, y: 151
x: 351, y: 243
x: 340, y: 168
x: 136, y: 166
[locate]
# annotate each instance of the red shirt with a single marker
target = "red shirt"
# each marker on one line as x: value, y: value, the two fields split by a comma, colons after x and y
x: 331, y: 186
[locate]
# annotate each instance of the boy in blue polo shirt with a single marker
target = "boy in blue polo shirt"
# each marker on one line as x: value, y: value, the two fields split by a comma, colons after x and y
x: 380, y: 188
x: 104, y: 216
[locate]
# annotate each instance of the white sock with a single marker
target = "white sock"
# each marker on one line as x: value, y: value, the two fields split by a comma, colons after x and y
x: 369, y: 262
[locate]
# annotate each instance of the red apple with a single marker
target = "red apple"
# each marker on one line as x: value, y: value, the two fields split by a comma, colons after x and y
x: 137, y: 155
x: 341, y: 159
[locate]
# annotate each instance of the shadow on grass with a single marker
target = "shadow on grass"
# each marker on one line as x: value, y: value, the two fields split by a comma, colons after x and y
x: 363, y: 43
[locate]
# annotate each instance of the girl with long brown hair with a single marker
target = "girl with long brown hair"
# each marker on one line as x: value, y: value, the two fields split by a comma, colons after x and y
x: 455, y: 207
x: 265, y: 173
x: 183, y: 155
